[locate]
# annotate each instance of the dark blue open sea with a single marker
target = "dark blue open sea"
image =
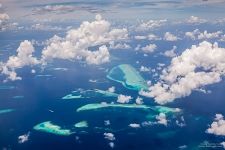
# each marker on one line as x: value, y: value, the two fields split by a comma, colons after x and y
x: 36, y: 95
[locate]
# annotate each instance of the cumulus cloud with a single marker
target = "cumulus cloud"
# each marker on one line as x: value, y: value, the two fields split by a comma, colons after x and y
x: 123, y: 99
x: 218, y: 126
x: 196, y: 20
x: 112, y: 89
x: 134, y: 125
x: 202, y: 65
x: 23, y: 58
x: 170, y: 53
x: 162, y: 119
x: 109, y: 136
x: 23, y: 138
x: 151, y: 24
x: 170, y: 37
x: 149, y: 48
x: 196, y: 34
x: 145, y: 69
x: 139, y: 100
x: 77, y: 42
x: 112, y: 45
x: 75, y: 46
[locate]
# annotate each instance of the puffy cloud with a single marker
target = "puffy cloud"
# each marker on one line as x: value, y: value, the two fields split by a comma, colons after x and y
x: 192, y: 34
x: 112, y: 45
x: 23, y: 58
x: 140, y: 37
x: 139, y: 100
x: 153, y: 37
x: 196, y: 34
x: 77, y: 42
x: 196, y: 20
x: 134, y: 125
x: 206, y: 35
x: 170, y: 53
x: 109, y: 136
x: 197, y: 67
x: 218, y: 126
x: 123, y: 99
x: 162, y: 119
x: 112, y: 89
x: 170, y: 37
x: 223, y: 144
x: 23, y: 138
x: 151, y: 24
x: 149, y: 48
x: 145, y: 69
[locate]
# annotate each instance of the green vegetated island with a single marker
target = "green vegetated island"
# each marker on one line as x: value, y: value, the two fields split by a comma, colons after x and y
x: 128, y: 76
x: 79, y: 94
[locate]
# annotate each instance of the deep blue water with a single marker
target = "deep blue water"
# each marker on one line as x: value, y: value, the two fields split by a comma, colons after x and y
x: 43, y: 93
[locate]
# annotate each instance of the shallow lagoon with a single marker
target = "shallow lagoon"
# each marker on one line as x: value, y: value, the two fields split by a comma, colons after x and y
x: 128, y: 76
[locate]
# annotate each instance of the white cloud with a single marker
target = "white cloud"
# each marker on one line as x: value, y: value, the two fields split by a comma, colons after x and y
x: 196, y: 34
x: 134, y: 125
x: 123, y: 99
x: 77, y: 42
x: 23, y: 138
x: 111, y: 144
x: 75, y: 46
x: 139, y: 100
x: 109, y: 136
x: 151, y: 24
x: 112, y: 45
x: 23, y: 58
x: 218, y: 126
x: 170, y: 53
x: 145, y: 69
x: 183, y: 76
x: 140, y: 37
x: 112, y: 89
x: 196, y: 20
x: 153, y: 37
x: 206, y: 35
x: 162, y: 119
x: 170, y: 37
x: 149, y: 48
x: 223, y: 144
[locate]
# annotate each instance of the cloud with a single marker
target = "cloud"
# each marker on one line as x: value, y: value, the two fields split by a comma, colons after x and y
x: 23, y: 138
x: 134, y: 125
x: 170, y: 37
x: 109, y: 136
x: 149, y: 48
x: 195, y: 20
x: 123, y: 99
x: 112, y: 45
x: 62, y: 9
x: 170, y: 53
x: 196, y: 34
x: 23, y: 58
x: 111, y: 144
x: 145, y: 69
x: 162, y: 119
x: 139, y: 100
x: 223, y: 144
x: 202, y: 65
x: 218, y: 126
x: 76, y: 44
x: 112, y: 89
x: 151, y: 24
